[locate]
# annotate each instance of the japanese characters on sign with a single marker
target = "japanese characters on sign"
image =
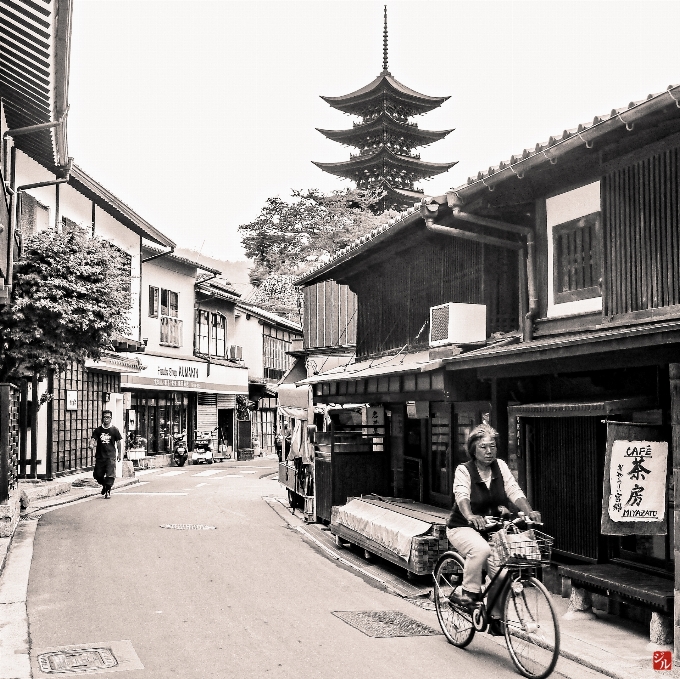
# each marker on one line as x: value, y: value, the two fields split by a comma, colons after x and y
x: 638, y: 481
x: 71, y: 400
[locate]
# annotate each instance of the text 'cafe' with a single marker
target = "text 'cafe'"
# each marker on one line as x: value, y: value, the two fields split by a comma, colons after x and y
x: 172, y: 396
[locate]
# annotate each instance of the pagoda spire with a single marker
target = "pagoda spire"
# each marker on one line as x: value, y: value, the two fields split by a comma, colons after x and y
x: 385, y: 44
x: 386, y: 138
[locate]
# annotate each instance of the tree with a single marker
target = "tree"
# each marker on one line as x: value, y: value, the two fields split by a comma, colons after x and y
x: 289, y: 238
x: 69, y: 297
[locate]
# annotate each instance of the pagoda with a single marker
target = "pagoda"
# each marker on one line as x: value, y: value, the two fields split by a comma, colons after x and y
x: 385, y: 138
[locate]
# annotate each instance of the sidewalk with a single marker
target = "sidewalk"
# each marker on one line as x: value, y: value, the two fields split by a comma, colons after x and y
x: 605, y: 643
x: 39, y: 497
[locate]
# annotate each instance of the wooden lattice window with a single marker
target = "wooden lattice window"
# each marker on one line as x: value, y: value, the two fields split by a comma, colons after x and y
x: 576, y: 259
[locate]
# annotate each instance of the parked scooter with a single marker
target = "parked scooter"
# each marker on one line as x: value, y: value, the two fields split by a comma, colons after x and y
x: 179, y: 449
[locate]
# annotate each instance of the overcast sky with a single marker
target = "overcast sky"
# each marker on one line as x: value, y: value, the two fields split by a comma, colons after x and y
x: 193, y: 112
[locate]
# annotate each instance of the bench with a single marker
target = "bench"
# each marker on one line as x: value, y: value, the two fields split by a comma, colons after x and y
x: 626, y: 585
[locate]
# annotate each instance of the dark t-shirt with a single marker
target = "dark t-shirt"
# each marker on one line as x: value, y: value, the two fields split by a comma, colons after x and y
x: 106, y: 442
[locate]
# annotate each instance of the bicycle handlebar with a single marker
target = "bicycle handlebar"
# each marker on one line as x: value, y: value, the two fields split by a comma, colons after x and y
x: 493, y: 522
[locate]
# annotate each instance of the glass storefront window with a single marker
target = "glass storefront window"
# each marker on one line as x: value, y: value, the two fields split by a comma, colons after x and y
x: 159, y: 416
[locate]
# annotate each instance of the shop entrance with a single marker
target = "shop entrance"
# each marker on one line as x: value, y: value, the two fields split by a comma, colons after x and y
x: 565, y: 463
x: 225, y: 428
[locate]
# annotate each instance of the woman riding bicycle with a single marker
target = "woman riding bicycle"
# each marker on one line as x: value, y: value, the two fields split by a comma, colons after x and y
x: 484, y: 486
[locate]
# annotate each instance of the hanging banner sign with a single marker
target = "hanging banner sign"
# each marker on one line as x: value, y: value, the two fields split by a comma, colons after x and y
x: 638, y: 481
x: 634, y: 493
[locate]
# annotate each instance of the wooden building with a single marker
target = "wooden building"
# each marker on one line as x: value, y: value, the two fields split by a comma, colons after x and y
x: 573, y: 245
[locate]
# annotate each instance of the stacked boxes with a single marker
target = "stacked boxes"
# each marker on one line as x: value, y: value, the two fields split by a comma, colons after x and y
x: 424, y: 554
x: 426, y: 549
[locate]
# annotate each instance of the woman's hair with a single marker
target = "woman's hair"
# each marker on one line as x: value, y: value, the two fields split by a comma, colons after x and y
x: 479, y: 432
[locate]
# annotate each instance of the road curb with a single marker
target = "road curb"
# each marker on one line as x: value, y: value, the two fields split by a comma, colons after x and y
x: 570, y: 655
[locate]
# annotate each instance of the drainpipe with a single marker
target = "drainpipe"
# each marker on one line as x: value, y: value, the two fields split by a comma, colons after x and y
x: 428, y: 210
x: 531, y: 289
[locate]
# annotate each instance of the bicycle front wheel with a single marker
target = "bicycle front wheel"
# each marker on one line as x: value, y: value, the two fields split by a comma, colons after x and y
x: 455, y: 621
x: 532, y: 632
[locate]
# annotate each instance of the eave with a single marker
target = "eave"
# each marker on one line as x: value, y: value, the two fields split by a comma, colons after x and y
x: 385, y: 122
x: 383, y: 157
x: 383, y: 85
x: 102, y: 197
x: 34, y: 75
x: 584, y: 141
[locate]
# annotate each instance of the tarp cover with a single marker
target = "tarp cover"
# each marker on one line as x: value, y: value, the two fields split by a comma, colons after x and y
x: 389, y: 529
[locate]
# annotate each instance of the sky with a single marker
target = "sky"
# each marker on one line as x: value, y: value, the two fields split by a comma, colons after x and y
x: 194, y: 112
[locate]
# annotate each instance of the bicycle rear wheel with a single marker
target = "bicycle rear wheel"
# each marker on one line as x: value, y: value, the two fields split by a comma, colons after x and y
x: 455, y: 621
x: 532, y: 632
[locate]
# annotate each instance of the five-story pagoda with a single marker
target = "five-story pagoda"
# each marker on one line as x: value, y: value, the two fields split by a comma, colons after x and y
x: 385, y: 138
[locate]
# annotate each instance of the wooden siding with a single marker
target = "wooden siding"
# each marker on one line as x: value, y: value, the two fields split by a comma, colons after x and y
x: 395, y: 298
x: 566, y: 481
x: 330, y: 317
x: 72, y: 429
x: 641, y: 210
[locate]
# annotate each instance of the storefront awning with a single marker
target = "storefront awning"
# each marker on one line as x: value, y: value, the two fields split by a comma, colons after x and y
x: 115, y: 363
x: 598, y: 408
x: 376, y: 367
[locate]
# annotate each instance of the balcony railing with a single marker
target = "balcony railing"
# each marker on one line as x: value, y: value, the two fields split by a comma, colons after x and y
x: 171, y: 331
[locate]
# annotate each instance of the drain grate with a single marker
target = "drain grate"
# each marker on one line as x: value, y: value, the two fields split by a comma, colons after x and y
x: 187, y: 526
x: 380, y: 624
x: 88, y: 659
x: 76, y: 661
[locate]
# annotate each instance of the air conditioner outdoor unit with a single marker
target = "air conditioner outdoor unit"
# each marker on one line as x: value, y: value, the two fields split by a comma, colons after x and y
x: 235, y: 352
x: 453, y: 323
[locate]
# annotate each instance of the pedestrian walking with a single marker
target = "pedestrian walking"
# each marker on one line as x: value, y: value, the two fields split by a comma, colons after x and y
x: 106, y: 442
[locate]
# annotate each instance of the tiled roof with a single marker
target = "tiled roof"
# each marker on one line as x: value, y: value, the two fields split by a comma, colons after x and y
x: 269, y: 316
x: 385, y: 79
x: 543, y: 152
x: 584, y: 134
x: 404, y: 218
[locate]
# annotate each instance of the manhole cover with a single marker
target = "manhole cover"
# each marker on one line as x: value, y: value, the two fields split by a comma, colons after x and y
x: 76, y: 661
x: 187, y: 526
x: 385, y: 624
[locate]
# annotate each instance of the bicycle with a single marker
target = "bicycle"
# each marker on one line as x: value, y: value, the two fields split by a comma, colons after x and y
x: 528, y: 619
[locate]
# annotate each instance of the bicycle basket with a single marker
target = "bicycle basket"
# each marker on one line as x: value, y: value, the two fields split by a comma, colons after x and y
x: 529, y: 547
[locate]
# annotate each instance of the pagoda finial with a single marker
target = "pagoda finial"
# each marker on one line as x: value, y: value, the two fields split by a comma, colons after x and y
x: 385, y: 44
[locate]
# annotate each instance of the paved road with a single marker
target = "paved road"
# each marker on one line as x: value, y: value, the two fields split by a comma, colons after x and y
x: 249, y: 599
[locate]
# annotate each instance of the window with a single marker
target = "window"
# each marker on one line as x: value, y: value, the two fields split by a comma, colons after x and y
x: 153, y: 302
x: 276, y: 361
x: 210, y: 336
x: 576, y: 259
x: 171, y: 326
x: 169, y: 303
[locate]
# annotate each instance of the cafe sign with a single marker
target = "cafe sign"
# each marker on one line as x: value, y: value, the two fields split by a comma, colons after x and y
x: 638, y: 481
x: 635, y: 480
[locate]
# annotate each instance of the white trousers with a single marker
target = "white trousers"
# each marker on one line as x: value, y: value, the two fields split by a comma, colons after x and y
x: 471, y: 545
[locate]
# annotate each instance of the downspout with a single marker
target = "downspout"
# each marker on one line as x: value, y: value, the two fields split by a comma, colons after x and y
x: 531, y: 289
x: 528, y: 330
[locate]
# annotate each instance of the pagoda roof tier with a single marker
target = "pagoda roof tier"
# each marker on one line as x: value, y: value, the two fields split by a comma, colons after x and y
x: 385, y: 86
x: 402, y: 197
x: 385, y: 123
x: 382, y: 158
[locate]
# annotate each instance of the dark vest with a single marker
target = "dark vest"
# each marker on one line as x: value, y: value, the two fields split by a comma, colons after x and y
x: 483, y: 501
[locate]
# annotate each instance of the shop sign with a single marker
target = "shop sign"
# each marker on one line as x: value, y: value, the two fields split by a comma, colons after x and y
x: 638, y: 481
x: 71, y: 400
x: 635, y: 478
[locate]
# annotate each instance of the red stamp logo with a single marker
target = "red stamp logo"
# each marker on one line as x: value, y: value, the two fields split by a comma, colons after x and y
x: 662, y: 660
